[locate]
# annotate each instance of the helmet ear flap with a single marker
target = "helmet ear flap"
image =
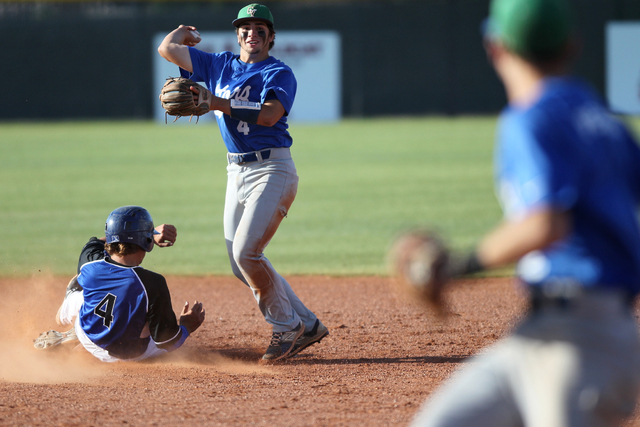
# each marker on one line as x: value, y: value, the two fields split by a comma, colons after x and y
x: 149, y: 244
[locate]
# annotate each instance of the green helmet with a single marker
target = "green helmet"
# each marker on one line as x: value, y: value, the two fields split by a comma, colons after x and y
x: 530, y: 28
x: 254, y: 12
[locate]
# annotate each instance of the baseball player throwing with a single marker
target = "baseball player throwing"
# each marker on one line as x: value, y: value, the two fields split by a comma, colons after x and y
x: 252, y: 94
x: 568, y: 175
x: 119, y: 310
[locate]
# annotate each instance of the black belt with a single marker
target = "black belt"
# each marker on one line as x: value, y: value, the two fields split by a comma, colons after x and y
x: 248, y: 157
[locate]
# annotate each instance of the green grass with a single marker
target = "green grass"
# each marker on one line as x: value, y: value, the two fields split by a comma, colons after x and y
x: 361, y: 181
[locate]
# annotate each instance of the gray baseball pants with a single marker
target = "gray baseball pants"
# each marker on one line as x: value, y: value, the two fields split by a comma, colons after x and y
x: 575, y: 366
x: 259, y: 195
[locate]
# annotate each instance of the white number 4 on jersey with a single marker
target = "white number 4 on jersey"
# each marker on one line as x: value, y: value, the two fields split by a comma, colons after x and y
x: 243, y: 127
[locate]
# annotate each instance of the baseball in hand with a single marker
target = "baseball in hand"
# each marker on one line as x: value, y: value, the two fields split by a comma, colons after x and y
x: 195, y: 33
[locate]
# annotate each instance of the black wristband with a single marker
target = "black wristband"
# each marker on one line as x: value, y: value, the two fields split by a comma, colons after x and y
x: 245, y: 111
x: 466, y: 264
x: 473, y: 264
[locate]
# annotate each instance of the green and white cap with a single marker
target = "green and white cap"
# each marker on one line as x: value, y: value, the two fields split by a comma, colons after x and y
x: 254, y: 12
x: 530, y: 27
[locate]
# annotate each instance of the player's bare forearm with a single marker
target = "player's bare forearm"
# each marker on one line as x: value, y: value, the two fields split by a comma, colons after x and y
x: 174, y: 48
x: 511, y: 240
x: 271, y: 112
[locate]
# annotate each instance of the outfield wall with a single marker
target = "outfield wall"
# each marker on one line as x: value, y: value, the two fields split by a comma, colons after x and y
x: 399, y: 57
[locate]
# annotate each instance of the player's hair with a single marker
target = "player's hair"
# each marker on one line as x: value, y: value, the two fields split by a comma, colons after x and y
x: 273, y: 31
x: 121, y: 248
x: 551, y: 62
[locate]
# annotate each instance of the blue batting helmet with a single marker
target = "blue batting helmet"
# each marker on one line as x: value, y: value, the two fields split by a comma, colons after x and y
x: 130, y: 224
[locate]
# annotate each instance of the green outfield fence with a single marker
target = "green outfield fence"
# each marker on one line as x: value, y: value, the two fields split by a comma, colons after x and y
x: 399, y: 57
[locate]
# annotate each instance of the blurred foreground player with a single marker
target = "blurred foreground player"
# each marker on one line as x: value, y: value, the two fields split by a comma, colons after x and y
x: 568, y: 176
x: 119, y: 310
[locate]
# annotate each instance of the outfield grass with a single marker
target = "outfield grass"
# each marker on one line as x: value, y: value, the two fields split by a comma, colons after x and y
x: 361, y: 181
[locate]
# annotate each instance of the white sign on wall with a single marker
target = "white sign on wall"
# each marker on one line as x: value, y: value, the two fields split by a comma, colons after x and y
x: 314, y: 57
x: 623, y: 67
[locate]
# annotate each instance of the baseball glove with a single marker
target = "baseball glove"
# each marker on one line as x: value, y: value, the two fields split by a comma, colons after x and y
x: 419, y: 261
x: 180, y: 101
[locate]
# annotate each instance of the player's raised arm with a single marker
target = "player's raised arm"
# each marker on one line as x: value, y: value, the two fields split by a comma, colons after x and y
x: 174, y: 48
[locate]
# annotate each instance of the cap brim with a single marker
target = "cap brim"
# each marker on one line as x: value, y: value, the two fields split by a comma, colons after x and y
x: 155, y: 231
x: 236, y: 23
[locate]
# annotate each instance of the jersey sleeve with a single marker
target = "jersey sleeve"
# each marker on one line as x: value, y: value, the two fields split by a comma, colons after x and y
x: 532, y: 169
x: 280, y: 84
x: 163, y: 326
x: 93, y: 250
x: 206, y: 66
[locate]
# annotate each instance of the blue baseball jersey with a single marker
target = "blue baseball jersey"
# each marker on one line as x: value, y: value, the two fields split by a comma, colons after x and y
x: 567, y: 152
x: 228, y: 77
x: 124, y: 307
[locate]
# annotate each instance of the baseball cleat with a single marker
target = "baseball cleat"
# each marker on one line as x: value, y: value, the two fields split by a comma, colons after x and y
x: 54, y: 338
x: 282, y: 343
x: 315, y: 335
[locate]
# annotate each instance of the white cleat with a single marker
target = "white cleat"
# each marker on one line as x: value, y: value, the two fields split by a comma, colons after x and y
x: 54, y: 338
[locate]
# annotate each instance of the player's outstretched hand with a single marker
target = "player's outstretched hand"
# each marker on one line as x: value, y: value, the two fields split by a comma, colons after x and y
x: 192, y: 318
x: 167, y: 236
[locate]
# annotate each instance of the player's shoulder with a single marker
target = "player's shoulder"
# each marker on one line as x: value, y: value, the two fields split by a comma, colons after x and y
x: 148, y: 276
x: 556, y: 103
x: 227, y: 55
x: 213, y: 57
x: 222, y: 54
x: 274, y: 64
x: 154, y: 283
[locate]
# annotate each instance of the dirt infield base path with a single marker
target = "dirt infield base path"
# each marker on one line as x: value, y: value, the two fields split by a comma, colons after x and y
x: 383, y: 358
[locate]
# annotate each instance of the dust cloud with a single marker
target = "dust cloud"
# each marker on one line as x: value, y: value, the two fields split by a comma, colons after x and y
x: 29, y: 306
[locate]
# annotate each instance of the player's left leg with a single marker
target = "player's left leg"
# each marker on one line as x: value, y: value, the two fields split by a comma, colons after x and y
x: 314, y: 331
x: 478, y: 394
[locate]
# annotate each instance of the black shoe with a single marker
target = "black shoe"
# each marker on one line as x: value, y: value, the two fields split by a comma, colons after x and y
x: 282, y: 343
x: 315, y: 335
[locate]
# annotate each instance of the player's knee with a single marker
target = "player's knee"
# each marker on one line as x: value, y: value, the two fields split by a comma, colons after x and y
x: 245, y: 257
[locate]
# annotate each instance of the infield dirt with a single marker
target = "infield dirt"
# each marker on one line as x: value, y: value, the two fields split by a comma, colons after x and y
x: 383, y: 358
